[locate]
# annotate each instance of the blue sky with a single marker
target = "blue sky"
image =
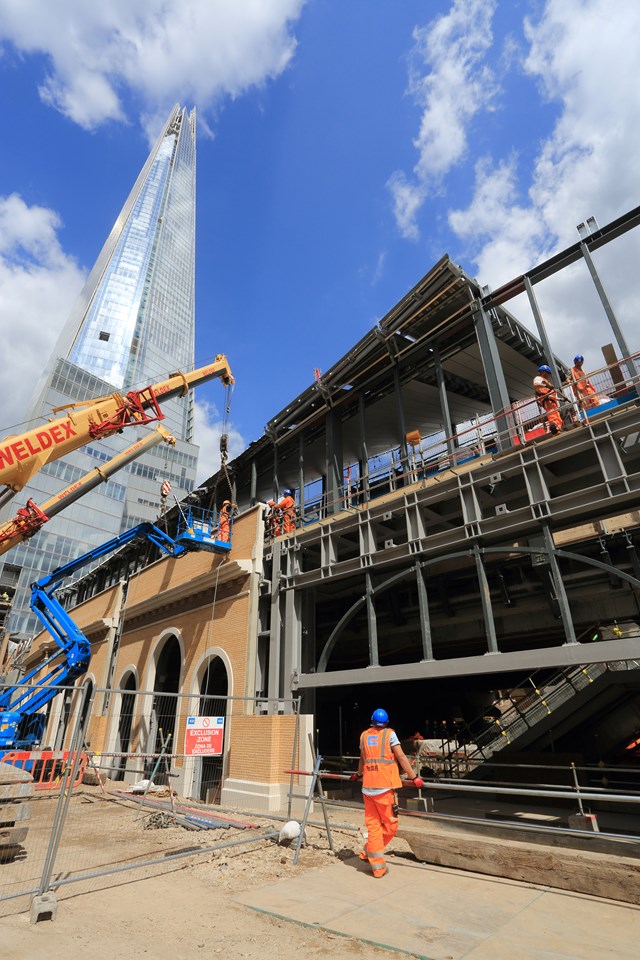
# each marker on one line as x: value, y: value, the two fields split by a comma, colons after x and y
x: 344, y: 146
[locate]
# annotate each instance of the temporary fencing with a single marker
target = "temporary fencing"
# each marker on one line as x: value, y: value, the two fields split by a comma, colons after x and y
x: 154, y: 778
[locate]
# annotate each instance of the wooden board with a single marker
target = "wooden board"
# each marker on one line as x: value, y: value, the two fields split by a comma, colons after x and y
x: 612, y: 876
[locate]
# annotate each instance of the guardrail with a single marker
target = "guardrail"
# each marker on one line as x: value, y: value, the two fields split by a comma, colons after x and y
x: 428, y: 456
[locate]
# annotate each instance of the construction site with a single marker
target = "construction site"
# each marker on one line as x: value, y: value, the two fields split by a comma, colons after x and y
x: 422, y: 529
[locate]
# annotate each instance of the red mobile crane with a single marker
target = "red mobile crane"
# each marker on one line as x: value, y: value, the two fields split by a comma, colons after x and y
x: 22, y: 456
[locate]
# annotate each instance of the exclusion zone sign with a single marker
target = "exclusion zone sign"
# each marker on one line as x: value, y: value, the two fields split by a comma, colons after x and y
x: 204, y: 736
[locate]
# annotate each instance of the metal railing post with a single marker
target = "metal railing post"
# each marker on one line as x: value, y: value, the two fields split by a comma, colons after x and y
x: 43, y: 904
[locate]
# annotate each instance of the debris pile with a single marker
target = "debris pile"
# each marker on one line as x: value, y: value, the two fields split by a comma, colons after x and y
x: 160, y: 821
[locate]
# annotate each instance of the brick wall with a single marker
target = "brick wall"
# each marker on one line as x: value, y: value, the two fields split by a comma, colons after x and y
x: 261, y: 748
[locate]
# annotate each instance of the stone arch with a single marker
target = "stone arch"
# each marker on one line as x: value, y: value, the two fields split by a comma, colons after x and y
x: 212, y: 685
x: 162, y: 711
x: 124, y: 710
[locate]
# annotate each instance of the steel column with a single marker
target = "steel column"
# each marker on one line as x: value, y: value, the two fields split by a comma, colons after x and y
x: 301, y: 474
x: 608, y: 309
x: 537, y: 316
x: 401, y: 421
x: 561, y: 595
x: 276, y: 483
x: 334, y: 467
x: 496, y: 383
x: 425, y: 621
x: 275, y: 626
x: 254, y: 483
x: 372, y: 625
x: 485, y: 596
x: 444, y: 402
x: 364, y: 454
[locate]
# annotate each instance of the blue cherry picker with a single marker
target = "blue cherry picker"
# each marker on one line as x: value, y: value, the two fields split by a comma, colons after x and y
x: 21, y: 723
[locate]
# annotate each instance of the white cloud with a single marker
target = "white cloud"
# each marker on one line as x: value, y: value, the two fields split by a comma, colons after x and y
x: 457, y: 85
x: 194, y: 51
x: 507, y: 236
x: 581, y: 57
x: 208, y: 430
x: 38, y: 285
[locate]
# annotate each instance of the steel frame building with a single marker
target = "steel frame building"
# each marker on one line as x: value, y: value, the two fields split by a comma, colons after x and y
x: 456, y: 574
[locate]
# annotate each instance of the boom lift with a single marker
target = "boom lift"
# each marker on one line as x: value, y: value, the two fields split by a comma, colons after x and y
x: 21, y: 456
x: 21, y: 725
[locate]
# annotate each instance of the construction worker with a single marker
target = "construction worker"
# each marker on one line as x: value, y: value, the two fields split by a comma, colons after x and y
x: 548, y: 398
x: 584, y: 390
x: 287, y: 507
x: 272, y: 519
x: 227, y: 513
x: 380, y: 754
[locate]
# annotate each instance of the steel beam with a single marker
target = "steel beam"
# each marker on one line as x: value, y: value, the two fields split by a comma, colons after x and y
x: 522, y: 661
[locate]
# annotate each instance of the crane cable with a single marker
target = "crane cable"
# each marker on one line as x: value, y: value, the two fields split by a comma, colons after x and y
x: 224, y: 443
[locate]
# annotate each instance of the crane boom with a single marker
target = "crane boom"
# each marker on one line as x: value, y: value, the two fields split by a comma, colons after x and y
x: 22, y: 455
x: 31, y: 517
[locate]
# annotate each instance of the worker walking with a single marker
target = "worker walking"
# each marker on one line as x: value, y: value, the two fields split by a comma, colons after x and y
x: 287, y: 507
x: 380, y: 754
x: 547, y: 398
x: 584, y: 390
x: 228, y: 512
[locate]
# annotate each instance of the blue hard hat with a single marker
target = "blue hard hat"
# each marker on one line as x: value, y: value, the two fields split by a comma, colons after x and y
x: 287, y: 492
x: 578, y: 359
x: 544, y: 369
x: 379, y: 718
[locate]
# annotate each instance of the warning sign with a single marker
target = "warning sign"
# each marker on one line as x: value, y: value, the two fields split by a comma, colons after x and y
x: 204, y: 736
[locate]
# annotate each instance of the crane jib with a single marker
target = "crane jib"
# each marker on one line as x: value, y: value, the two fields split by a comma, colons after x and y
x: 22, y: 449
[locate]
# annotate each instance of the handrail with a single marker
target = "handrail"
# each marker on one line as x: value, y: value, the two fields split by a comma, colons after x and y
x: 389, y: 471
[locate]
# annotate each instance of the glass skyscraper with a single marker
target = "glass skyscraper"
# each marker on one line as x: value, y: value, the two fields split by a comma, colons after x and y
x: 133, y: 324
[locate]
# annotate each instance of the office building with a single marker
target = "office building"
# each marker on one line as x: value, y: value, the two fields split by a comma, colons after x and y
x: 133, y: 324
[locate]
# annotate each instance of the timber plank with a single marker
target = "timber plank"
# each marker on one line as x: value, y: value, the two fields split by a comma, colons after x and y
x: 612, y: 876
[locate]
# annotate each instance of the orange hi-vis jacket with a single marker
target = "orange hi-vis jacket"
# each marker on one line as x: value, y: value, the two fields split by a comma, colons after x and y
x: 288, y: 505
x: 582, y: 384
x: 380, y: 769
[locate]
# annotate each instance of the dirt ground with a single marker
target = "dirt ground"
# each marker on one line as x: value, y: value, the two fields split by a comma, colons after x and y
x: 179, y: 910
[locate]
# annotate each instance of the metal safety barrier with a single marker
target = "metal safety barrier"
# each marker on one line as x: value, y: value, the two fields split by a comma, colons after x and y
x: 47, y: 767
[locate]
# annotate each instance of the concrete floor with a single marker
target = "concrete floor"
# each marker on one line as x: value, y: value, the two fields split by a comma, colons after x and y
x: 440, y: 914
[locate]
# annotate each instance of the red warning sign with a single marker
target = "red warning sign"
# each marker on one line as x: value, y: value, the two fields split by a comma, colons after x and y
x: 204, y: 736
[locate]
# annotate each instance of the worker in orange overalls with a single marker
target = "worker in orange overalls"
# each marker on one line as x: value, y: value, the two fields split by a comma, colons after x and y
x: 548, y: 398
x: 272, y: 519
x: 380, y: 754
x: 584, y: 390
x: 287, y: 507
x: 227, y: 513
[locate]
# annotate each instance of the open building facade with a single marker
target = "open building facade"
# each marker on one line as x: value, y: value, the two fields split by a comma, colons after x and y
x: 446, y: 551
